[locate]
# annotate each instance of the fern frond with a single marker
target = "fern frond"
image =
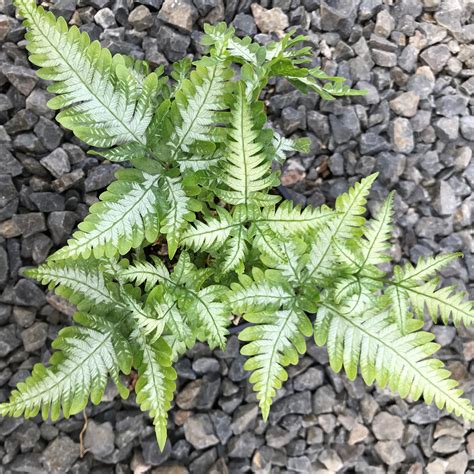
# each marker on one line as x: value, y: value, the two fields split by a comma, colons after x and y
x: 179, y: 335
x: 399, y: 306
x: 234, y: 251
x: 377, y: 234
x: 288, y: 219
x: 293, y: 262
x: 174, y: 220
x: 127, y: 215
x: 266, y: 242
x: 126, y: 152
x: 209, y: 308
x: 84, y: 285
x: 322, y: 261
x: 246, y: 51
x: 105, y: 103
x: 259, y: 296
x: 143, y: 272
x: 84, y: 358
x: 156, y: 382
x: 350, y: 209
x: 444, y: 302
x: 283, y: 145
x: 209, y: 235
x: 247, y: 169
x: 346, y: 225
x: 275, y: 341
x: 387, y: 357
x: 200, y: 99
x: 151, y: 317
x: 425, y: 268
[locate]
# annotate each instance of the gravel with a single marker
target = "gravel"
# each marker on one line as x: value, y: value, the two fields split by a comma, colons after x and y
x: 415, y: 127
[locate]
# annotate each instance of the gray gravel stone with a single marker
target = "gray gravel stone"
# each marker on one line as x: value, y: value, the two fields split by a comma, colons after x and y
x: 28, y: 293
x: 49, y: 133
x: 243, y: 446
x: 105, y: 18
x: 390, y: 452
x: 447, y: 129
x: 299, y: 464
x: 47, y: 201
x: 447, y: 444
x: 405, y: 104
x: 60, y: 455
x: 29, y: 223
x: 445, y: 202
x: 140, y: 18
x: 8, y: 340
x: 402, y: 136
x: 34, y: 337
x: 309, y: 380
x: 299, y: 403
x: 57, y: 163
x: 4, y: 270
x: 390, y: 166
x: 199, y: 431
x: 99, y: 438
x: 338, y: 15
x: 467, y: 127
x: 408, y: 58
x: 451, y: 105
x: 100, y: 177
x: 245, y: 418
x: 244, y: 25
x: 387, y: 427
x: 372, y: 143
x: 8, y: 163
x: 436, y: 57
x: 22, y: 78
x: 179, y: 13
x: 384, y: 58
x: 331, y: 460
x: 324, y: 400
x: 60, y: 225
x: 345, y: 127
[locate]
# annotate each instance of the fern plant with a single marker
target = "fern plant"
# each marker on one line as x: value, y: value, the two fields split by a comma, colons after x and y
x: 199, y: 184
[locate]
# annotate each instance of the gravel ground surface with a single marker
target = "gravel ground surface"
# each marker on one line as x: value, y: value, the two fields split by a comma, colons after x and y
x: 415, y: 126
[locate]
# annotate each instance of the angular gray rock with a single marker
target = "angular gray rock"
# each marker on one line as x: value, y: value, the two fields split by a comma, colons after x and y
x: 199, y: 431
x: 60, y: 455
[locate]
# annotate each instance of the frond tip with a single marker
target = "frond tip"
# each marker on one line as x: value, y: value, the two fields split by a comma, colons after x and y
x: 86, y: 356
x: 387, y: 357
x: 104, y: 102
x: 274, y: 341
x: 156, y: 383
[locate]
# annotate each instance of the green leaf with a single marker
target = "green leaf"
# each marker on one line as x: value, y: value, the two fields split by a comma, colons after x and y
x: 425, y: 268
x: 156, y: 382
x: 247, y: 169
x: 259, y: 296
x: 79, y: 369
x: 105, y: 103
x: 288, y: 219
x: 174, y: 221
x: 275, y: 341
x: 127, y: 215
x: 82, y: 283
x: 445, y: 302
x: 377, y: 234
x: 375, y: 345
x: 141, y: 272
x: 209, y: 309
x: 211, y: 234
